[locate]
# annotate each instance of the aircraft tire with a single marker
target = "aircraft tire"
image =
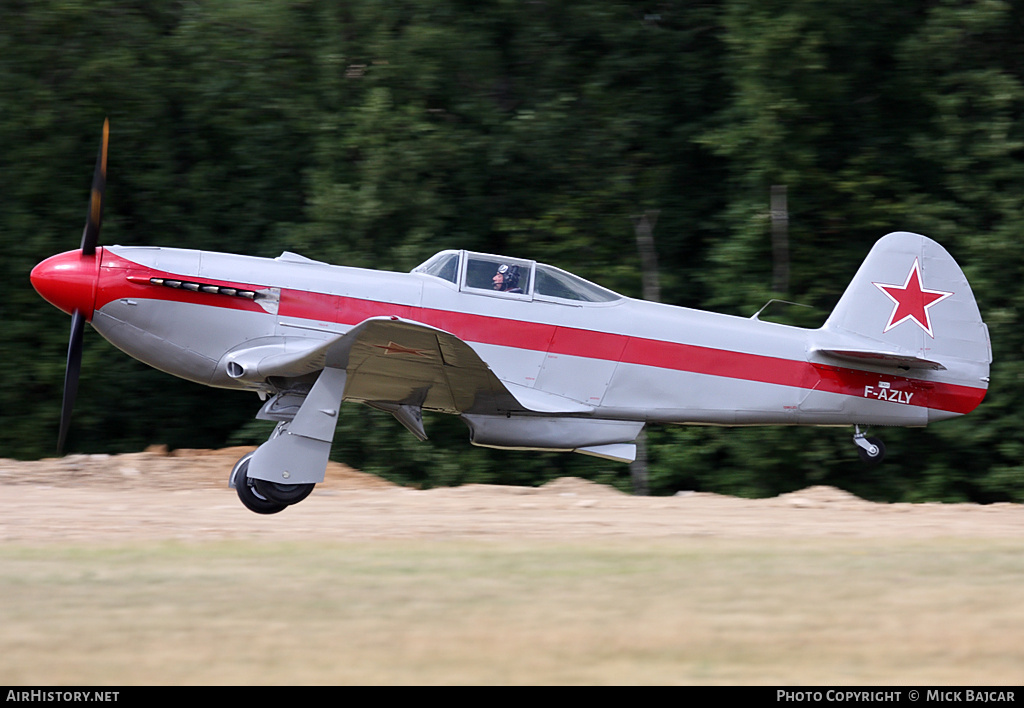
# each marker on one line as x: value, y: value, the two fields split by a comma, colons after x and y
x: 250, y: 497
x: 287, y: 494
x: 867, y: 457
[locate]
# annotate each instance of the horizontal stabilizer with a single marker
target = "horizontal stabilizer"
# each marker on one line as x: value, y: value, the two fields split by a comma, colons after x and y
x: 882, y: 358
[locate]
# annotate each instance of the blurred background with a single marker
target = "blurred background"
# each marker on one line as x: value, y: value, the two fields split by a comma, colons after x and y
x: 376, y: 132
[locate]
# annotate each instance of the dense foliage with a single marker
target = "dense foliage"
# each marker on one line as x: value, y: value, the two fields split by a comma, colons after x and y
x: 376, y: 132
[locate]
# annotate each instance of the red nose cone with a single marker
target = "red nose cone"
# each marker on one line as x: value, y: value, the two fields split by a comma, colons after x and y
x: 68, y: 281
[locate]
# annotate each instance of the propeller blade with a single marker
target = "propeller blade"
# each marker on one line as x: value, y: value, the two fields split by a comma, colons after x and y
x: 74, y: 368
x: 90, y: 237
x: 93, y: 220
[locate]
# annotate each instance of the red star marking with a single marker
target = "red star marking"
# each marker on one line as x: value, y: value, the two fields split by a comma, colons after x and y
x: 912, y: 301
x: 392, y: 348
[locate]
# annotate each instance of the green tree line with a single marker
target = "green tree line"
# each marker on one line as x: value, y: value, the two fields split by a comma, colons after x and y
x: 377, y: 132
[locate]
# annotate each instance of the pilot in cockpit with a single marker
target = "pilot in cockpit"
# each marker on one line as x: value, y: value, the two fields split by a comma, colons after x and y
x: 506, y: 280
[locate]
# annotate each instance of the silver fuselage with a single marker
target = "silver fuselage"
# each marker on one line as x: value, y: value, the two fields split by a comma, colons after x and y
x: 623, y: 359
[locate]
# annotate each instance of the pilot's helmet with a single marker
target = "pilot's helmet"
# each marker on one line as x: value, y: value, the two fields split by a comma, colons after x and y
x: 510, y: 276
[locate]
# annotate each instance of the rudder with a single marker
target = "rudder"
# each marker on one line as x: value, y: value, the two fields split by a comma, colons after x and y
x: 911, y: 300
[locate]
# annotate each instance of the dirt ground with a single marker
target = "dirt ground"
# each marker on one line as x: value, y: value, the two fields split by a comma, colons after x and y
x: 184, y: 495
x: 145, y: 569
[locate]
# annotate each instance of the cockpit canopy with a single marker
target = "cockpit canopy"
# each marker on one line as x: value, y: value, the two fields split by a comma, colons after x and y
x: 520, y: 279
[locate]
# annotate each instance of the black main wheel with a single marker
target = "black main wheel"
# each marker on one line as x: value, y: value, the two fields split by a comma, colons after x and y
x: 282, y: 493
x: 869, y: 457
x: 249, y: 496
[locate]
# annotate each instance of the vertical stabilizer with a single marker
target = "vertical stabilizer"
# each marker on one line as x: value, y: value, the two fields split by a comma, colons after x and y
x: 910, y: 300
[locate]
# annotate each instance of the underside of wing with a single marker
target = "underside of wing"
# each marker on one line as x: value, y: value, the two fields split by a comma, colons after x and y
x: 397, y: 362
x: 405, y: 367
x: 408, y: 363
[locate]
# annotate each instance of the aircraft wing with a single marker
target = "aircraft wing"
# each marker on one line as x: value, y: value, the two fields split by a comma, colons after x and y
x: 396, y: 363
x: 408, y: 363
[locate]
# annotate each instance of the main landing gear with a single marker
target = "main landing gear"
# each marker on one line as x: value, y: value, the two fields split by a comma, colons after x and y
x: 283, y: 470
x: 262, y: 496
x: 871, y: 450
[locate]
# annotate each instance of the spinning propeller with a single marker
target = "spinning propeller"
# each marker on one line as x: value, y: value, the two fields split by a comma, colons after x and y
x: 68, y: 280
x: 94, y: 218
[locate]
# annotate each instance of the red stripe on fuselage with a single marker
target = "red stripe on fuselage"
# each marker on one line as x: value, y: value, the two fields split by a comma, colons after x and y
x: 555, y: 339
x: 559, y: 339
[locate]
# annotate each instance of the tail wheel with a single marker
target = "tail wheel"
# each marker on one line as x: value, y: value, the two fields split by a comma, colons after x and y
x: 873, y: 454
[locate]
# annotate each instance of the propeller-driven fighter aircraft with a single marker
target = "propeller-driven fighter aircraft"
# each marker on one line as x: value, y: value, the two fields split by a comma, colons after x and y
x: 528, y: 355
